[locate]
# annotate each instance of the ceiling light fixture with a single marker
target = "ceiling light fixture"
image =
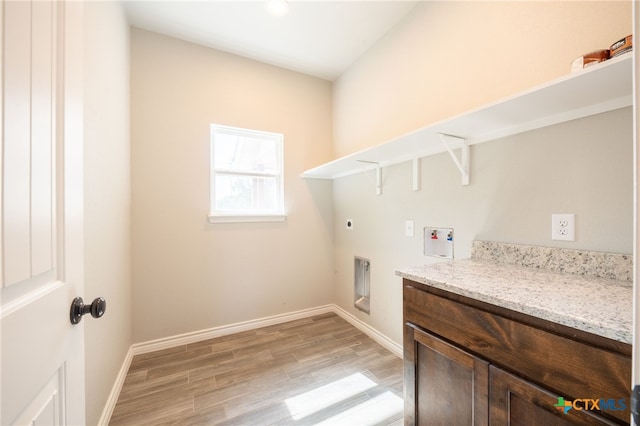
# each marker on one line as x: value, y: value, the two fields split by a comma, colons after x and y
x: 277, y: 7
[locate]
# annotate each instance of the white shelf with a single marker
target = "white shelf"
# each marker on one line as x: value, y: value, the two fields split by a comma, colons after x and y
x: 597, y: 89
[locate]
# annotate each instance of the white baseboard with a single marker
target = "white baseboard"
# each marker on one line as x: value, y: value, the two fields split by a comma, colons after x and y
x: 196, y: 336
x: 380, y: 338
x: 210, y: 333
x: 107, y: 411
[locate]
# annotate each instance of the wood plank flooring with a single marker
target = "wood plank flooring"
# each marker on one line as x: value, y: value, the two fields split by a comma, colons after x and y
x: 317, y: 370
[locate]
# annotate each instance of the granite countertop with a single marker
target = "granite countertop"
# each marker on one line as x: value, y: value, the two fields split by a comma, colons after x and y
x: 600, y: 306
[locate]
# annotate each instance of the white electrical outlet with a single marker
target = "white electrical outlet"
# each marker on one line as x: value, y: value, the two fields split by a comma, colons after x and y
x: 563, y: 227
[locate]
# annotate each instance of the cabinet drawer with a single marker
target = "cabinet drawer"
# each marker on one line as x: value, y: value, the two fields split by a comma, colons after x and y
x: 567, y: 367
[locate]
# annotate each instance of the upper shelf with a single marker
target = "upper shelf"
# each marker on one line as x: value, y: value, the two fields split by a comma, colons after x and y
x: 599, y: 88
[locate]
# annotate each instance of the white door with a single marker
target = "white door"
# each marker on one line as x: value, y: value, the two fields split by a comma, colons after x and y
x: 41, y: 270
x: 636, y: 167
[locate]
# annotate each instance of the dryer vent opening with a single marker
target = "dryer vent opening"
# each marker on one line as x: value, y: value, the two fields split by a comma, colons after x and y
x: 361, y: 283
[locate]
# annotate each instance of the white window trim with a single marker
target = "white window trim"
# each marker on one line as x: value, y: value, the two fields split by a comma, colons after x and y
x: 254, y: 216
x: 219, y: 218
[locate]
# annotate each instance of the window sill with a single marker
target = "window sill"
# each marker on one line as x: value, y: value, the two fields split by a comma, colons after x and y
x: 246, y: 218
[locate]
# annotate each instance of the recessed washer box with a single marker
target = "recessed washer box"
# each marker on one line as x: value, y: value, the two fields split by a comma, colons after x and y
x: 438, y: 242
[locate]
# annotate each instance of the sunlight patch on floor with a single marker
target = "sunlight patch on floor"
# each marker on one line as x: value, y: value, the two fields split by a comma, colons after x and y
x: 305, y: 404
x: 371, y: 412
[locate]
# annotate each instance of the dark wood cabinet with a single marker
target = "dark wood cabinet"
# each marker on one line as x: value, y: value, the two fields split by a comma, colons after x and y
x: 515, y: 401
x: 451, y: 385
x: 470, y: 363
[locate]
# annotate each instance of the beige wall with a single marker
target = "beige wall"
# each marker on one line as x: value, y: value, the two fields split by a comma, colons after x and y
x: 447, y: 58
x: 191, y: 275
x: 107, y: 199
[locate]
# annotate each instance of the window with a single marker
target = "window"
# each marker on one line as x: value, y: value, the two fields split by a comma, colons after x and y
x: 246, y: 175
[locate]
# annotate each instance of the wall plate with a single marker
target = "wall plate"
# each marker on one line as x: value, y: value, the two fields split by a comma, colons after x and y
x: 563, y: 227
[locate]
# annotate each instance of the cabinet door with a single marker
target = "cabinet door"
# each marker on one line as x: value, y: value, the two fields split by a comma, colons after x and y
x: 514, y: 401
x: 449, y: 386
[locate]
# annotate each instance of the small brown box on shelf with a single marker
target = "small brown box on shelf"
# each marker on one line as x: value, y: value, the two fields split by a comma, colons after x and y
x: 589, y: 59
x: 622, y: 46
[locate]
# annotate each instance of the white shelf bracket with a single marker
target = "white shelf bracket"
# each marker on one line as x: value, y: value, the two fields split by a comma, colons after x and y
x: 463, y: 163
x: 416, y: 174
x: 378, y: 174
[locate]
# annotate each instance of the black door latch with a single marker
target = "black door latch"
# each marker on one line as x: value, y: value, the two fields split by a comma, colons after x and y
x: 78, y: 309
x: 635, y: 404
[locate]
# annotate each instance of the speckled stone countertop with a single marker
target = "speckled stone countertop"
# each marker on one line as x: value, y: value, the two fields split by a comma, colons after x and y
x: 593, y: 304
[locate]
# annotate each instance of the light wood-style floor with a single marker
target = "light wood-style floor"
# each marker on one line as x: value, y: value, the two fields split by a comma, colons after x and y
x: 317, y: 370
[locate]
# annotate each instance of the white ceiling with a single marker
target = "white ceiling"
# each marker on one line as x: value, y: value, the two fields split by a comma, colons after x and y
x: 320, y: 38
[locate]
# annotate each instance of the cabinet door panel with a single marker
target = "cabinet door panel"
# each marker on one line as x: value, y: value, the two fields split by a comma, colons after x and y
x: 514, y: 401
x: 451, y: 386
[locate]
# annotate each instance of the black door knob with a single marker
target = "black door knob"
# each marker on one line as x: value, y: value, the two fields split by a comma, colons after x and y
x: 78, y: 309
